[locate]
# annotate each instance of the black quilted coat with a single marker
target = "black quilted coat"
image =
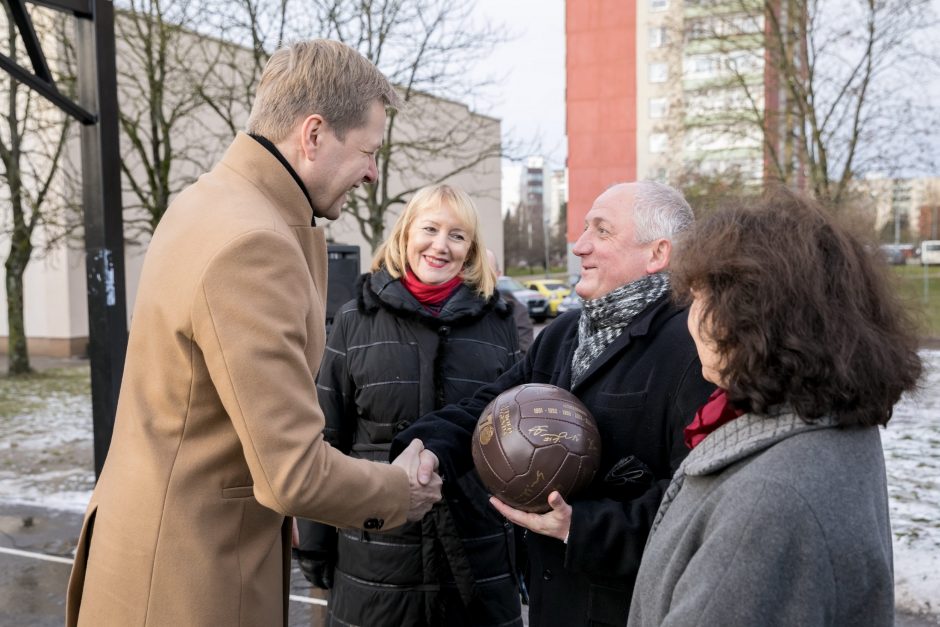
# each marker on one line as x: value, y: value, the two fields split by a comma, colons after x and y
x: 389, y: 361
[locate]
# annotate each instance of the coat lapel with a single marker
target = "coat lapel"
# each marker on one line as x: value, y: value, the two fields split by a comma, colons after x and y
x: 638, y: 328
x: 312, y: 241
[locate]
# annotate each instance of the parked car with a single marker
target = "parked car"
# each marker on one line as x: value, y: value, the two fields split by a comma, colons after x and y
x: 892, y: 254
x: 551, y: 289
x: 533, y: 301
x: 570, y: 302
x: 930, y: 251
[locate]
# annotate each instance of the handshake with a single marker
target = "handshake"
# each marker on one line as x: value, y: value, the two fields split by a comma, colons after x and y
x: 425, y: 484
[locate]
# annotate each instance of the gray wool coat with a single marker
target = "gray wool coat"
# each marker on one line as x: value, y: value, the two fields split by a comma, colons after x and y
x: 770, y: 521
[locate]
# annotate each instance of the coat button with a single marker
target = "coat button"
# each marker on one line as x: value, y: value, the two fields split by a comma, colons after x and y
x: 401, y: 426
x: 373, y: 523
x: 547, y: 574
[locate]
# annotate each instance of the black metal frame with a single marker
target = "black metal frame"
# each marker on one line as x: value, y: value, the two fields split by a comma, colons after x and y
x: 97, y: 111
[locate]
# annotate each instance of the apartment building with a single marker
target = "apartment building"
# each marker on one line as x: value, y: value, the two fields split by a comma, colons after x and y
x: 661, y: 89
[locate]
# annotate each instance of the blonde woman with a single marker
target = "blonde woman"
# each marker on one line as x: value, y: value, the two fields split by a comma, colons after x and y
x: 427, y: 329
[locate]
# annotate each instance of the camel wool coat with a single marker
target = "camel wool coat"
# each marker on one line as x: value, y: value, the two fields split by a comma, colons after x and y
x: 218, y: 435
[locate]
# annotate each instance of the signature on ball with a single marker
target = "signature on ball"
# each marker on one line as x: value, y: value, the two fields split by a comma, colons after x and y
x: 553, y: 438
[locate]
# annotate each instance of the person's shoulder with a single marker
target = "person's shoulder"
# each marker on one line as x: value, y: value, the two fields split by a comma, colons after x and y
x: 564, y: 322
x: 556, y: 333
x: 562, y: 326
x: 669, y: 323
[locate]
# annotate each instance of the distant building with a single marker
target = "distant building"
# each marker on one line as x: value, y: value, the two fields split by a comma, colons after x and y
x: 906, y: 210
x: 658, y: 89
x: 558, y: 195
x: 533, y: 196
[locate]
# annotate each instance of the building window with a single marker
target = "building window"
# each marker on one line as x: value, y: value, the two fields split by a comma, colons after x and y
x: 657, y: 37
x: 702, y: 66
x: 699, y: 29
x: 658, y: 108
x: 659, y: 5
x: 658, y: 142
x: 659, y: 72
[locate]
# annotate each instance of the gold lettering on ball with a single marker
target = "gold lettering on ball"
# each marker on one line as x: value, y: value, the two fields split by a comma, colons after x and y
x: 505, y: 426
x: 486, y: 430
x: 532, y: 489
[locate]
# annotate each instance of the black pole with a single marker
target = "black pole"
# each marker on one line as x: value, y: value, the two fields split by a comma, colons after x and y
x: 101, y: 189
x: 104, y: 236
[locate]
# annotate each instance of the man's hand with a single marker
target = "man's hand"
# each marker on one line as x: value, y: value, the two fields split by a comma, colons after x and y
x: 554, y: 524
x: 425, y: 483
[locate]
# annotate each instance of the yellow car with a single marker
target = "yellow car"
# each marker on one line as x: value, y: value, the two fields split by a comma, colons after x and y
x: 551, y: 289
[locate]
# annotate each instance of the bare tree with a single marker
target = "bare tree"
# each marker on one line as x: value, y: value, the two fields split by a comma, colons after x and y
x: 33, y: 137
x: 426, y: 48
x: 835, y: 91
x: 241, y: 36
x: 185, y: 56
x: 162, y: 67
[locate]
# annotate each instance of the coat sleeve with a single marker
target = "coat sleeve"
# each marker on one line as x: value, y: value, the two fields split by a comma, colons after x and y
x: 447, y: 432
x: 607, y: 536
x: 250, y: 319
x: 335, y: 391
x: 764, y: 560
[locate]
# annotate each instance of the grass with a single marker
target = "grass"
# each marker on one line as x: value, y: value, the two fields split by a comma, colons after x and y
x: 23, y: 394
x: 923, y: 299
x: 535, y: 271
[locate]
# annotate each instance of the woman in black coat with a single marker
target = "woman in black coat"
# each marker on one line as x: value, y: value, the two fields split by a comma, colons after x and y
x: 427, y: 329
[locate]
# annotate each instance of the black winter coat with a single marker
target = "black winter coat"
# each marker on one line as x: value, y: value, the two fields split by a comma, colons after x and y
x: 389, y: 361
x: 642, y: 391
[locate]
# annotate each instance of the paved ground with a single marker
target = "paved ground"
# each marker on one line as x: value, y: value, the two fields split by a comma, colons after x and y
x: 32, y: 590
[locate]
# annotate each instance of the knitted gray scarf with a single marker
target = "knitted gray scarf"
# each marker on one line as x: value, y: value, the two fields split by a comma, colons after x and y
x: 604, y: 319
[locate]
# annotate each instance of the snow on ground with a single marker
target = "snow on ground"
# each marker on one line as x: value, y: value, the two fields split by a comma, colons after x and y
x: 46, y: 459
x: 912, y: 458
x: 46, y: 454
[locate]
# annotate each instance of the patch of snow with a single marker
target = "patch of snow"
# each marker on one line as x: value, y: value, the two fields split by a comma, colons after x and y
x: 912, y: 458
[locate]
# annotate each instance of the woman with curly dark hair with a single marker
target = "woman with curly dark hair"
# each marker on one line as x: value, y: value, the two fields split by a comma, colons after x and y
x: 779, y: 515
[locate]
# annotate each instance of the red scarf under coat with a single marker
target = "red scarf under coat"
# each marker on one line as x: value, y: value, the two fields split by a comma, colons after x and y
x: 717, y: 411
x: 430, y: 296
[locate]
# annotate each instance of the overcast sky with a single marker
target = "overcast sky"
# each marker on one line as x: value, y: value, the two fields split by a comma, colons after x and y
x: 531, y: 71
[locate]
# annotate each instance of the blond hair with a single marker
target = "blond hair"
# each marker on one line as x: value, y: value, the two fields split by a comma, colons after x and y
x: 317, y: 76
x: 392, y: 254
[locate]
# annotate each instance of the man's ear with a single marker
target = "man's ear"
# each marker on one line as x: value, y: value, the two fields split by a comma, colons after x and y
x: 660, y: 251
x: 311, y: 135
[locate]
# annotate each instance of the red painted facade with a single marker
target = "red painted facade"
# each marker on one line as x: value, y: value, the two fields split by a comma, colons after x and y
x: 600, y: 101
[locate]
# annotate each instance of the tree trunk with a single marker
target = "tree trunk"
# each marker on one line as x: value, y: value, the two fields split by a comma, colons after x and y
x: 17, y: 352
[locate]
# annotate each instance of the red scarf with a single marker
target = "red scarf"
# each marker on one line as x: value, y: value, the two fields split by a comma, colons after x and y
x: 429, y: 295
x: 715, y: 412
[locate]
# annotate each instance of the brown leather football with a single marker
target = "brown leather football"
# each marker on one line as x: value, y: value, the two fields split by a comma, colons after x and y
x: 533, y: 439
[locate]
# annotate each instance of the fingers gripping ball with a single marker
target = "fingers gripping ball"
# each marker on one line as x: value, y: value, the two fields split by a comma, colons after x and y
x: 533, y: 439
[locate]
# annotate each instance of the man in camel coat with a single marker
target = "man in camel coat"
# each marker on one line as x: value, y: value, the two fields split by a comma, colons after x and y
x: 218, y: 434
